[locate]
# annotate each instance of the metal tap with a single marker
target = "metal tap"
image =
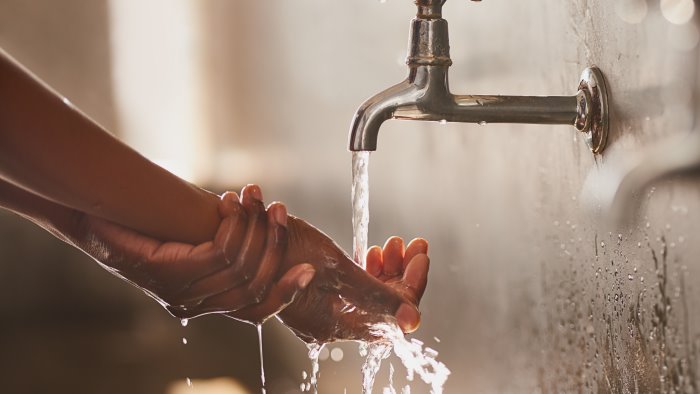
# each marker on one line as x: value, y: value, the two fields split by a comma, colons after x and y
x: 425, y: 94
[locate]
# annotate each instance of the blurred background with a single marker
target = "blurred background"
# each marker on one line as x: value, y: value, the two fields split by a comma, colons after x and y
x: 528, y: 292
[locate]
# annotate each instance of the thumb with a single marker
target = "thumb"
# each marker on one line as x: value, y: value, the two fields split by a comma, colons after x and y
x: 407, y: 317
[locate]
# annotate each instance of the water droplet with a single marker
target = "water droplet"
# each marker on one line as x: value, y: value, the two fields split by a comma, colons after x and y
x: 639, y: 244
x: 304, y: 375
x: 482, y: 123
x: 630, y: 277
x: 647, y: 225
x: 189, y: 382
x: 436, y: 339
x: 444, y: 121
x: 184, y: 341
x: 184, y: 322
x: 602, y: 244
x: 641, y: 279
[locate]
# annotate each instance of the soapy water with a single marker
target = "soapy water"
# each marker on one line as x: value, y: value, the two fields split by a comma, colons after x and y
x: 416, y: 360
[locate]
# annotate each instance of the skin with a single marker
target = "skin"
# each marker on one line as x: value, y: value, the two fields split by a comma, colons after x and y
x: 193, y: 251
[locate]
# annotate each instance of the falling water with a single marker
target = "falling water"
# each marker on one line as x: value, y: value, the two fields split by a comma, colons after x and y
x: 314, y: 352
x: 375, y: 352
x: 417, y: 359
x: 360, y: 206
x: 262, y: 363
x: 411, y: 353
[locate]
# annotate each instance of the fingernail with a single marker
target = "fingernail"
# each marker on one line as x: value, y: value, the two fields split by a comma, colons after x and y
x: 280, y: 213
x: 255, y: 192
x: 423, y: 247
x: 408, y: 318
x: 305, y: 278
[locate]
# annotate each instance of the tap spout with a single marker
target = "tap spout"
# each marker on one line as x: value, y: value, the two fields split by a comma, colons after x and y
x: 425, y: 94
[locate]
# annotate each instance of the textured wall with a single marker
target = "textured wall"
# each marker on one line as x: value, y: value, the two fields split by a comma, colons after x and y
x: 528, y: 291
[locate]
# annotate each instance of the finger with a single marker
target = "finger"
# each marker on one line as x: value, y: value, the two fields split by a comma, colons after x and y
x: 374, y: 261
x: 408, y: 318
x: 242, y: 256
x: 211, y: 257
x: 415, y: 247
x: 254, y: 242
x: 281, y: 294
x: 415, y: 277
x: 392, y: 255
x: 233, y: 228
x: 251, y: 191
x: 256, y: 289
x: 229, y: 204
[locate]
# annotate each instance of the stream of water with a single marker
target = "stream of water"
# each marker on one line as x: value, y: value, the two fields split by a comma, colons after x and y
x: 262, y: 363
x: 360, y: 206
x: 416, y: 359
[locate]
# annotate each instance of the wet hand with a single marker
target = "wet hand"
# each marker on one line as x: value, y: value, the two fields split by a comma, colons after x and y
x: 404, y: 269
x: 238, y: 272
x: 343, y: 300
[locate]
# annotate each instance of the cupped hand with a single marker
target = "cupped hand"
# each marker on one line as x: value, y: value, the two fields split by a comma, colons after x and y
x: 237, y: 272
x: 405, y: 270
x: 343, y: 301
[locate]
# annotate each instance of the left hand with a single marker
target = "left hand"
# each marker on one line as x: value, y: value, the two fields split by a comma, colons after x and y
x: 233, y: 273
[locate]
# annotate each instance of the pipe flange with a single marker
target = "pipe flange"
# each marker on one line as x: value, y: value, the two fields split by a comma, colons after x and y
x: 592, y: 108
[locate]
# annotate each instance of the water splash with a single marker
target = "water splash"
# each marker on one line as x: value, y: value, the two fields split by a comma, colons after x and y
x: 360, y: 205
x: 314, y: 352
x: 376, y: 352
x: 417, y: 360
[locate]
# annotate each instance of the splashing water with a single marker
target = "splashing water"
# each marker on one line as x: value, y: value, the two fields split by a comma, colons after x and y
x: 376, y: 352
x: 314, y: 352
x: 262, y: 363
x: 360, y: 206
x: 417, y: 360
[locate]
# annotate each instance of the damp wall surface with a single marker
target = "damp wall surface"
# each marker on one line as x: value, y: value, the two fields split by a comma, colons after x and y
x: 528, y: 291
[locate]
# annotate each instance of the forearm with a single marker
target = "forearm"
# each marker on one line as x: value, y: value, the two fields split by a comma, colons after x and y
x: 53, y: 150
x: 61, y: 221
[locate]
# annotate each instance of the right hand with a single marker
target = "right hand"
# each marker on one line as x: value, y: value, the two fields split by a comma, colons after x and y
x: 343, y: 300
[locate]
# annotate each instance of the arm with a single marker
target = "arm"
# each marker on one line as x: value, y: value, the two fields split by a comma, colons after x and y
x: 53, y: 150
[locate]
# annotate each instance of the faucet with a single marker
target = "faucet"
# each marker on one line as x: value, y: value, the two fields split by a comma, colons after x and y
x: 425, y: 94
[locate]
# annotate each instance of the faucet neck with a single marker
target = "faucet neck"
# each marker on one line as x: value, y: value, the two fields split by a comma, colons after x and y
x: 429, y: 41
x: 429, y: 9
